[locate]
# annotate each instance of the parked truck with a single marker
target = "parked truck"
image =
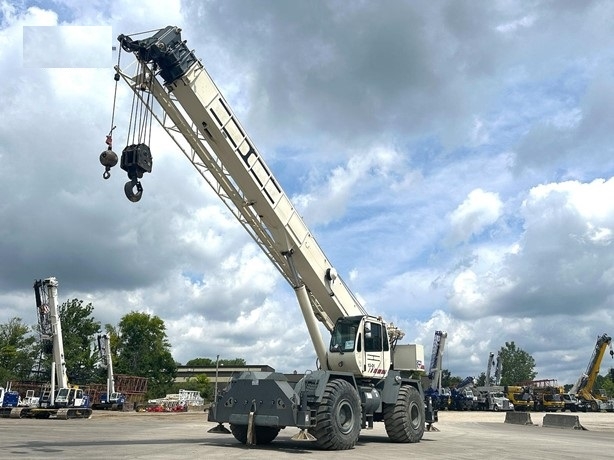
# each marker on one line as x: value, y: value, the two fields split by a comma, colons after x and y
x: 520, y: 396
x: 492, y: 397
x: 546, y: 395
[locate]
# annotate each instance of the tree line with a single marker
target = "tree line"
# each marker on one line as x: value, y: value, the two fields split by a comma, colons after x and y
x: 139, y: 347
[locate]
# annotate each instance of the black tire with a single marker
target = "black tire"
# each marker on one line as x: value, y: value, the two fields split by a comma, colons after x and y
x: 338, y: 417
x: 263, y: 434
x: 405, y: 420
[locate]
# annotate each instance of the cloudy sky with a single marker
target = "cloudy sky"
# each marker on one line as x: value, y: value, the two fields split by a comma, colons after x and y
x: 454, y: 160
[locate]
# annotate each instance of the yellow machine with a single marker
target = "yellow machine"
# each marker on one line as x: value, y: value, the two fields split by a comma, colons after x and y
x: 520, y: 396
x: 588, y: 398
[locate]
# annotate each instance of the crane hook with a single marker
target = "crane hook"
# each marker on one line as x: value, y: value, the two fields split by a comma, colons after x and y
x: 136, y: 160
x: 108, y: 158
x: 129, y: 190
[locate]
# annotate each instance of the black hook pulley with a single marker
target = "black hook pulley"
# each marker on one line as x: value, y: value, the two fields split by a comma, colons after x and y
x: 136, y: 160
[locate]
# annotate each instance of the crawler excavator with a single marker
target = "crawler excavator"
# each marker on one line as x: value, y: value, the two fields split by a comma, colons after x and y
x: 362, y: 376
x: 588, y: 399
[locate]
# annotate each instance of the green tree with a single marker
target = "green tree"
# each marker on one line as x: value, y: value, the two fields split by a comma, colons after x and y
x: 143, y: 350
x: 79, y: 331
x: 449, y: 381
x: 200, y: 362
x: 18, y: 350
x: 606, y: 383
x: 208, y: 362
x: 517, y: 365
x: 232, y: 362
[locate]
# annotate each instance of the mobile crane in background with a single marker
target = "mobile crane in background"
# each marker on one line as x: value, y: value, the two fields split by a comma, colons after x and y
x: 62, y: 401
x: 462, y: 396
x: 439, y: 395
x: 111, y: 399
x: 363, y: 376
x: 520, y: 396
x: 546, y: 395
x: 491, y: 396
x: 588, y: 399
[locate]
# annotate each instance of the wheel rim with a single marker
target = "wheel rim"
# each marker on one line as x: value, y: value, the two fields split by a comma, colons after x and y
x: 345, y: 417
x: 414, y: 416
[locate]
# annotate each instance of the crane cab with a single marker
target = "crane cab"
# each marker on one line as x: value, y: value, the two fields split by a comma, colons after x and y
x: 359, y: 344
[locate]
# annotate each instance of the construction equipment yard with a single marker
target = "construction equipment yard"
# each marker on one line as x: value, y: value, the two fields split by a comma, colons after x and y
x: 462, y: 435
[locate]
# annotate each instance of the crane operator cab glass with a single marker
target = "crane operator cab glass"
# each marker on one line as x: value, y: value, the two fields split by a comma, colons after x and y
x: 359, y: 344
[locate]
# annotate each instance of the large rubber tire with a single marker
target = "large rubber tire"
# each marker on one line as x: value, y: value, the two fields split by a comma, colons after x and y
x: 405, y: 420
x: 263, y: 434
x: 338, y: 417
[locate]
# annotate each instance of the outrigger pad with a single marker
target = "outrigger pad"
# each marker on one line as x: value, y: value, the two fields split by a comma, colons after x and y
x: 303, y: 435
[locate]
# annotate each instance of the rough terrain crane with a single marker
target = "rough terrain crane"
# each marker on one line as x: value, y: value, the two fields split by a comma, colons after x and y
x: 111, y: 399
x: 362, y: 376
x: 62, y: 401
x: 583, y: 388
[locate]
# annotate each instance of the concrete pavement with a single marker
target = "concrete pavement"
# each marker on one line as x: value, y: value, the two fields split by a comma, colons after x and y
x: 184, y: 435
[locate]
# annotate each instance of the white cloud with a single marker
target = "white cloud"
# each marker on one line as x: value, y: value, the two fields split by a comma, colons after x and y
x: 350, y: 183
x: 67, y: 46
x: 479, y: 210
x: 517, y: 24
